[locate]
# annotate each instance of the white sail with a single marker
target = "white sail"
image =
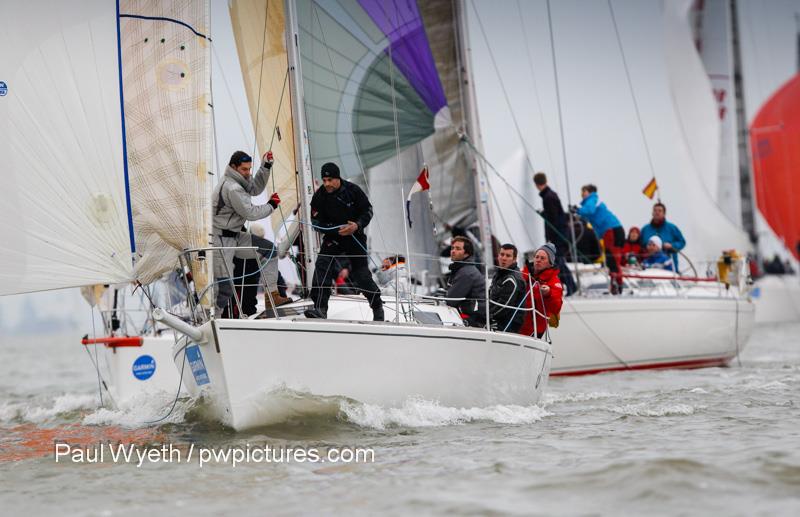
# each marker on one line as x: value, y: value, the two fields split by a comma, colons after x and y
x: 711, y: 20
x: 63, y: 217
x: 603, y: 135
x: 166, y: 74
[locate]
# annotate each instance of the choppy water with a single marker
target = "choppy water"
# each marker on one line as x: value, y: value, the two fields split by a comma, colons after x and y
x: 725, y: 441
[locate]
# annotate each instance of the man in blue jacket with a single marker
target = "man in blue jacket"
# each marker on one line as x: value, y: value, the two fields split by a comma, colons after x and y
x: 670, y: 235
x: 608, y: 228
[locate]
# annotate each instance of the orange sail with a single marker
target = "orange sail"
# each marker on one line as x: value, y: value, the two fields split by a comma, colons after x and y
x: 774, y: 138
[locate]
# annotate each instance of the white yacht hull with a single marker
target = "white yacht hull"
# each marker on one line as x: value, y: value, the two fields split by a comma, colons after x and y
x: 777, y: 298
x: 132, y: 372
x: 620, y: 333
x: 262, y: 372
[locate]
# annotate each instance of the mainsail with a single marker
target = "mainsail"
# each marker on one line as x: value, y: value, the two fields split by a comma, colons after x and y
x: 382, y: 98
x: 259, y: 28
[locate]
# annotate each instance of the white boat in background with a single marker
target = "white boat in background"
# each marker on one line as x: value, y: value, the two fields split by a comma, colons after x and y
x: 777, y: 298
x: 659, y: 323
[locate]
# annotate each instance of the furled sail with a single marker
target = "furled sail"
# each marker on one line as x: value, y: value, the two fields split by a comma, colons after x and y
x: 382, y: 99
x: 63, y: 216
x: 166, y: 74
x: 259, y: 28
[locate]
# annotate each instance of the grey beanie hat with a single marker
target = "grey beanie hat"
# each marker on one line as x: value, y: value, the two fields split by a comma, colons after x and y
x: 550, y: 249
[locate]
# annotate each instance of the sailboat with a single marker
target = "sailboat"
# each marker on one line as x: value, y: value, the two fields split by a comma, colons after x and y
x: 106, y: 155
x: 620, y: 86
x: 372, y: 86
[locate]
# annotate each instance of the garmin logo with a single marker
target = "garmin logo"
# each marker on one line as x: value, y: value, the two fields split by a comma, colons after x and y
x: 144, y: 367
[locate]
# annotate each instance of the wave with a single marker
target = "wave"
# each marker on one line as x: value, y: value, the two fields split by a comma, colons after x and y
x: 655, y: 411
x: 39, y: 414
x: 423, y: 413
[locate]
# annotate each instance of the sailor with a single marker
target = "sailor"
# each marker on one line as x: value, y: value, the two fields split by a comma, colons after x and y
x: 340, y: 211
x: 555, y: 228
x: 466, y: 286
x: 546, y: 290
x: 656, y: 258
x: 393, y: 277
x: 507, y: 292
x: 670, y: 235
x: 608, y: 228
x: 232, y: 206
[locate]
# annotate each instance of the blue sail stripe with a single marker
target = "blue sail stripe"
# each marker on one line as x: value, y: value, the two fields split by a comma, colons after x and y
x: 124, y: 139
x: 164, y: 19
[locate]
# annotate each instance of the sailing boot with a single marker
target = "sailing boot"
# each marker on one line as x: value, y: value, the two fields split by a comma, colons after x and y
x: 377, y: 312
x: 270, y: 309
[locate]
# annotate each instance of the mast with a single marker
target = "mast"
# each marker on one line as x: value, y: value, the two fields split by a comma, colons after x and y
x: 745, y: 174
x: 473, y: 133
x: 303, y: 161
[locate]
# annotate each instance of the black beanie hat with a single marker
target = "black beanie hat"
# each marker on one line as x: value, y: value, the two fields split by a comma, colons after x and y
x: 330, y: 170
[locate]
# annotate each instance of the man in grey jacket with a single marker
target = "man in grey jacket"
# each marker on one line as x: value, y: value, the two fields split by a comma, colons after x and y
x: 466, y: 285
x: 232, y: 206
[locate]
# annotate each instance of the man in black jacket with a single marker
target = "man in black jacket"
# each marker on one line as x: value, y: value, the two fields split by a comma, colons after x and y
x: 466, y: 286
x: 555, y: 228
x: 340, y: 211
x: 507, y: 292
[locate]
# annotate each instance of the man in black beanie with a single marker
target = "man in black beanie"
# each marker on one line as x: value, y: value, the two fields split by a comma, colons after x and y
x: 340, y: 211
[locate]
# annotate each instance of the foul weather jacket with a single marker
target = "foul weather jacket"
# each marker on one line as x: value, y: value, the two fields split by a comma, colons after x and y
x: 552, y: 301
x: 330, y: 211
x: 555, y: 227
x: 669, y: 233
x: 467, y: 282
x: 596, y: 212
x: 232, y: 200
x: 506, y: 294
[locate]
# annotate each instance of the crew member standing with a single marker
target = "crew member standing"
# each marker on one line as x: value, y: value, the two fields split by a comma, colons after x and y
x: 340, y: 211
x: 232, y: 205
x: 555, y: 228
x: 670, y: 235
x: 507, y: 292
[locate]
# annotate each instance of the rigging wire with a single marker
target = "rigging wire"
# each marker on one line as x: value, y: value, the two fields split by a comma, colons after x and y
x: 399, y: 170
x: 356, y: 151
x: 633, y: 94
x: 563, y: 140
x: 535, y: 86
x: 503, y: 86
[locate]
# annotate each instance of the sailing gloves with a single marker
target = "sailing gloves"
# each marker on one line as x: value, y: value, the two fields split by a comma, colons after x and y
x: 268, y: 160
x: 274, y: 200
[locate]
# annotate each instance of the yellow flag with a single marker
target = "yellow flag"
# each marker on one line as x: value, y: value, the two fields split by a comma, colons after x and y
x: 650, y: 189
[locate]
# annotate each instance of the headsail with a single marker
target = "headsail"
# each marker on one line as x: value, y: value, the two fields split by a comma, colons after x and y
x: 63, y: 217
x: 166, y: 74
x: 259, y: 28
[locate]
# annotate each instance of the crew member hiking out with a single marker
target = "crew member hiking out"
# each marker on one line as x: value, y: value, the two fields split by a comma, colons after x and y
x: 232, y: 206
x: 507, y: 292
x: 555, y: 228
x: 340, y: 211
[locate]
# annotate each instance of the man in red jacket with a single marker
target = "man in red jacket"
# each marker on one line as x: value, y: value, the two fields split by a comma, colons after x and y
x: 547, y: 291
